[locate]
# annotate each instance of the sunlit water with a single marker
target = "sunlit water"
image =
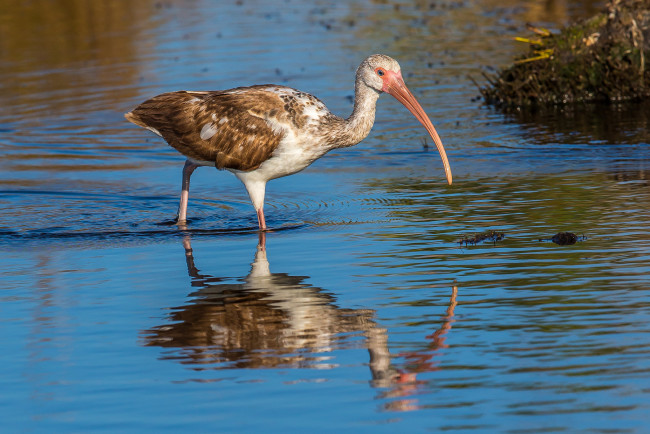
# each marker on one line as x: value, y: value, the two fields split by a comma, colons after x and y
x: 364, y: 312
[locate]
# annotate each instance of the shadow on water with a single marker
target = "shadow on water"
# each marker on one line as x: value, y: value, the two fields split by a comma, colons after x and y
x: 275, y: 320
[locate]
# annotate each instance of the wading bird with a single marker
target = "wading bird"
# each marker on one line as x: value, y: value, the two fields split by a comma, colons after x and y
x: 265, y: 132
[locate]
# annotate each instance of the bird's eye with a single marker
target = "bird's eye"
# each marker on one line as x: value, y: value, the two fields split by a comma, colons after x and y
x: 380, y: 72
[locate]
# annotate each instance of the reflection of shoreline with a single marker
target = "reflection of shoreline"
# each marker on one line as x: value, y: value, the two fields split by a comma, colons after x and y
x: 269, y: 320
x: 593, y: 123
x: 72, y: 57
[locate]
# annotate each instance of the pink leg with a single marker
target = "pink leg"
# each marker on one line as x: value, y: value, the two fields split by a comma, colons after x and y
x: 260, y: 219
x: 185, y: 192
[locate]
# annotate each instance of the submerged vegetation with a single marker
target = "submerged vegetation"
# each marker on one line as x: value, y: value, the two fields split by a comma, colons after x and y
x: 474, y: 239
x: 600, y: 59
x: 565, y: 238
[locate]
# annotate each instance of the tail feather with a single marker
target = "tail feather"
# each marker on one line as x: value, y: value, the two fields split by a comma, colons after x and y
x: 132, y: 117
x: 157, y: 112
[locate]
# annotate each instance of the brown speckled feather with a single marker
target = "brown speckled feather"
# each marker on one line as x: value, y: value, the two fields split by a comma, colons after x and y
x: 228, y: 128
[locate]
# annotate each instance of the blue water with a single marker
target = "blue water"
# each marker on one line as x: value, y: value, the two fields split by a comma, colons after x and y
x: 363, y: 312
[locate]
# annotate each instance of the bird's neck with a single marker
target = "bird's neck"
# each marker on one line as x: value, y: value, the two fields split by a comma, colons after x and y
x: 356, y: 127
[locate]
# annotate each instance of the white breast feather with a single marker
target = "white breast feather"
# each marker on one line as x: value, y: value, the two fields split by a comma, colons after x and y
x: 291, y: 155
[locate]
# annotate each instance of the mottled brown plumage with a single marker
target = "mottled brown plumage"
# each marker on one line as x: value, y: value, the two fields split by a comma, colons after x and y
x: 243, y: 139
x: 265, y: 132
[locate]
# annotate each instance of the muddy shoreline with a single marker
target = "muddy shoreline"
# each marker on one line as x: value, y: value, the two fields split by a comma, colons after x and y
x: 599, y: 59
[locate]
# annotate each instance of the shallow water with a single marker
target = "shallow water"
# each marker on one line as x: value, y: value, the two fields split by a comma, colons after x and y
x: 364, y: 312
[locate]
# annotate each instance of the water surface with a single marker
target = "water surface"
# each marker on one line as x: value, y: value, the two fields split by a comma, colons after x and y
x: 363, y: 312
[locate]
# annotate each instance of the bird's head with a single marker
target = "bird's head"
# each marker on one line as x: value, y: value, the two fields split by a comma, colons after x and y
x: 383, y: 74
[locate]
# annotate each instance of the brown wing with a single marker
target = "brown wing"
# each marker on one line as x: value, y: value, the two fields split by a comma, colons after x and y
x: 224, y: 127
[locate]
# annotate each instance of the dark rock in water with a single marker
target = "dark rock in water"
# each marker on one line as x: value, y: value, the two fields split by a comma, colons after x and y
x: 564, y: 238
x: 601, y: 59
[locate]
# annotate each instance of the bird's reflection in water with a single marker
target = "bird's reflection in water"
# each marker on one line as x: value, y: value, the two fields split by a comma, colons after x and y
x: 276, y: 320
x: 267, y: 320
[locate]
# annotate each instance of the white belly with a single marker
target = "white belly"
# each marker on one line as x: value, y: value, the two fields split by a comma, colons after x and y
x: 288, y: 158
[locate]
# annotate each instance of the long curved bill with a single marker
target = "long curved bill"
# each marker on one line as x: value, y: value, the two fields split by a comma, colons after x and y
x: 394, y: 85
